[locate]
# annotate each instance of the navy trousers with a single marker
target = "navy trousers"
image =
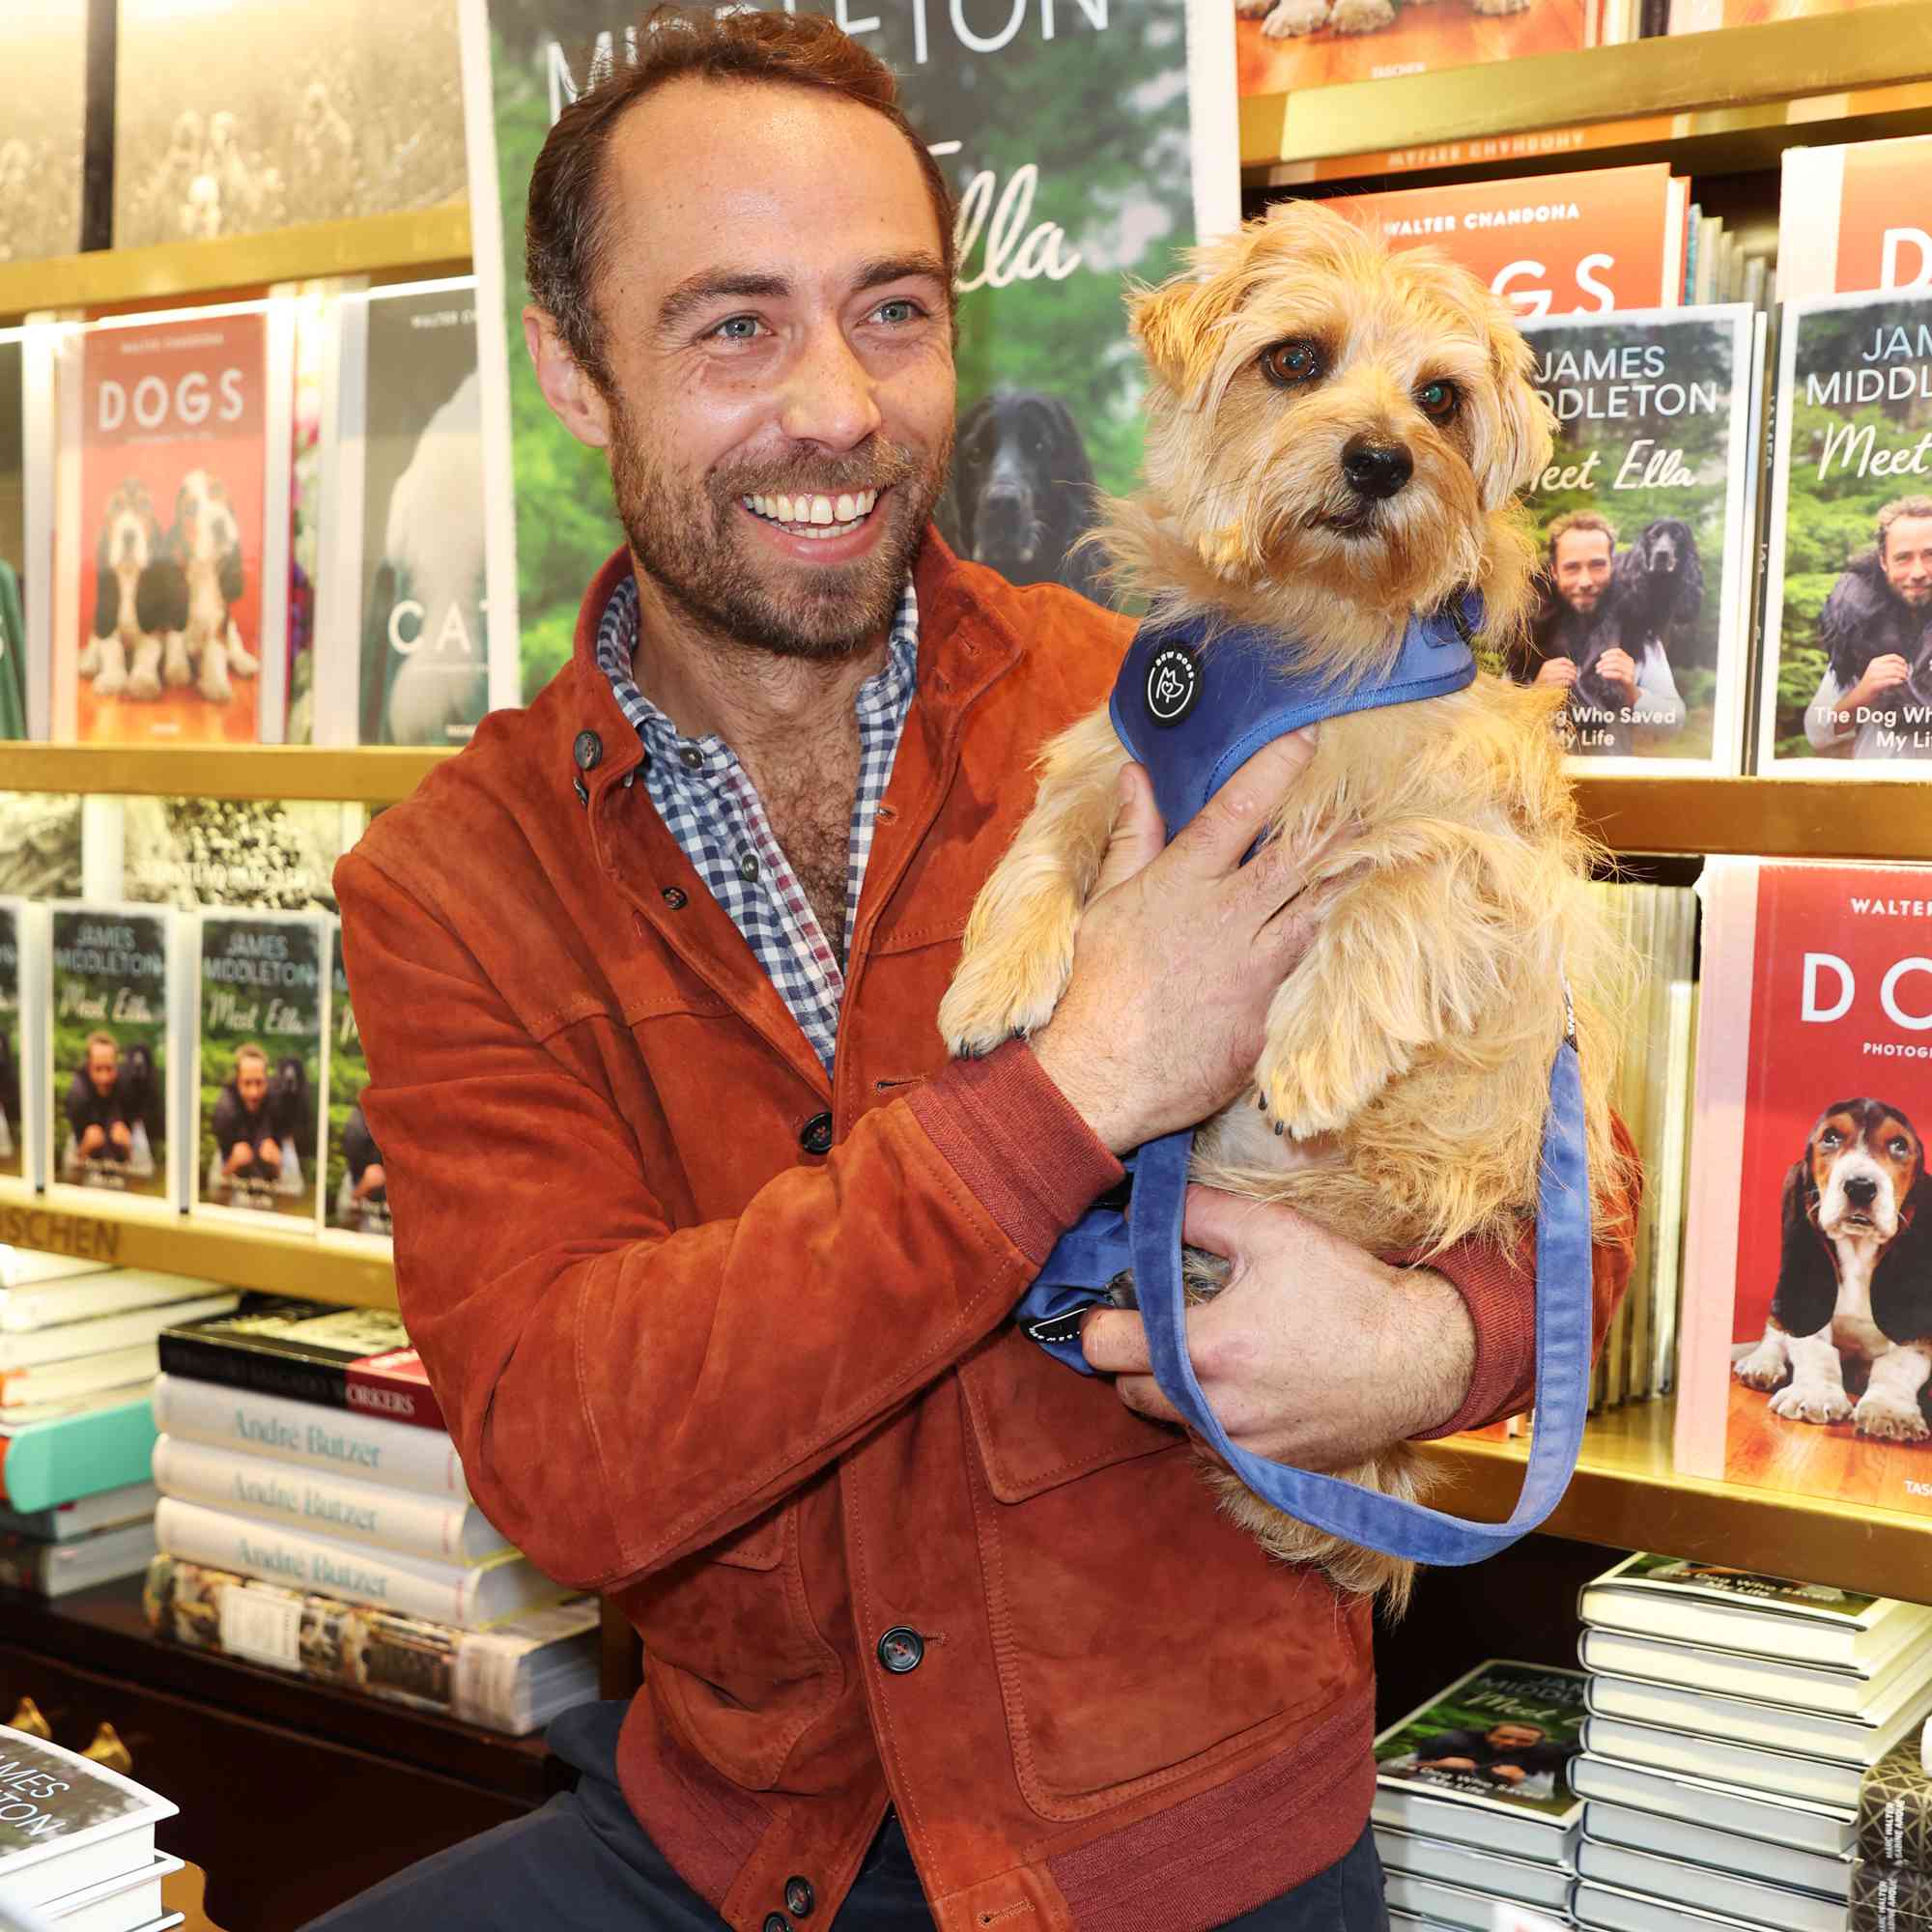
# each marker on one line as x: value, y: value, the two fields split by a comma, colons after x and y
x: 582, y: 1863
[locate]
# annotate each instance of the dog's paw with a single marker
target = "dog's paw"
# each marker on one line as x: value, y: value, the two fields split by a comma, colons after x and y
x: 1362, y: 16
x: 1889, y: 1417
x: 1003, y: 988
x: 143, y: 683
x: 1252, y: 10
x: 111, y: 681
x: 1495, y: 6
x: 176, y: 669
x: 242, y: 662
x: 89, y: 663
x: 214, y: 685
x: 1293, y: 18
x: 1764, y: 1368
x: 1809, y: 1401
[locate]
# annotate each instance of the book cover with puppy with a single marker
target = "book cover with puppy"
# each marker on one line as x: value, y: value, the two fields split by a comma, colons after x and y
x: 355, y: 1194
x: 22, y: 1018
x: 402, y: 654
x: 262, y: 1007
x: 1645, y: 519
x: 172, y: 564
x: 1804, y: 1362
x: 117, y: 987
x: 1845, y: 683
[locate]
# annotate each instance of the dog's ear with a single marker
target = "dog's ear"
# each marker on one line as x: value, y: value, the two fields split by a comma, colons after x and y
x: 1174, y: 326
x: 1690, y: 598
x: 1069, y: 448
x: 161, y: 598
x: 107, y: 600
x: 1518, y: 445
x: 1807, y: 1282
x: 230, y: 575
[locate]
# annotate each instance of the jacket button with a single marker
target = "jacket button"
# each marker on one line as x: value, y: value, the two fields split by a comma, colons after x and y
x: 800, y: 1897
x: 815, y: 1136
x: 777, y: 1921
x: 587, y: 750
x: 900, y: 1650
x: 674, y: 898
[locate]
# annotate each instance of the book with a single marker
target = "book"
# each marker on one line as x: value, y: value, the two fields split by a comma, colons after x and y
x: 402, y: 655
x: 315, y: 1436
x: 1845, y: 677
x: 1645, y: 519
x: 1434, y: 1903
x: 1856, y: 1740
x: 105, y: 1508
x: 46, y: 1464
x: 17, y: 592
x: 446, y: 1529
x: 1729, y: 1609
x: 58, y: 1388
x: 1810, y: 1067
x: 266, y: 855
x: 128, y: 1903
x: 1550, y: 244
x: 1445, y: 1767
x: 47, y: 117
x: 470, y: 1598
x: 54, y: 1408
x: 1894, y: 1821
x: 1525, y: 1881
x: 39, y: 846
x: 57, y: 1569
x: 171, y: 563
x: 514, y: 1678
x: 71, y: 1290
x: 356, y: 1187
x: 22, y: 1019
x: 1729, y: 1894
x: 1822, y: 1830
x: 1847, y: 218
x: 103, y: 1334
x: 1609, y: 1908
x: 110, y: 1060
x: 1692, y: 1666
x: 366, y: 118
x: 1898, y: 1892
x: 355, y: 1359
x: 1692, y: 1839
x: 1831, y: 1782
x: 71, y: 1822
x: 261, y: 1016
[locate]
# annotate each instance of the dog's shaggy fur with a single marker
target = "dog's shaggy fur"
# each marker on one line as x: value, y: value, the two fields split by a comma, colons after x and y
x: 1288, y: 20
x: 1405, y: 1079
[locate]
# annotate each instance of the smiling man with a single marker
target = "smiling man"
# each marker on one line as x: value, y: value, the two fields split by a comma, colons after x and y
x: 1874, y: 699
x: 709, y: 1252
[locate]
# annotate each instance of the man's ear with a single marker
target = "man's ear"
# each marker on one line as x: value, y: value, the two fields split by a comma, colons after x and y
x: 576, y: 402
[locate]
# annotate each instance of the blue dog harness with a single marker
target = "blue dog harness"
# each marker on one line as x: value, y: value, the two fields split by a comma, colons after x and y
x: 1192, y: 717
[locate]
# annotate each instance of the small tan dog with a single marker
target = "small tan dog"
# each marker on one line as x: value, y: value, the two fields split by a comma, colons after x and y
x: 1336, y: 435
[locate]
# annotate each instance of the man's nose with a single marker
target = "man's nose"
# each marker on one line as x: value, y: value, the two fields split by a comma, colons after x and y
x: 829, y: 394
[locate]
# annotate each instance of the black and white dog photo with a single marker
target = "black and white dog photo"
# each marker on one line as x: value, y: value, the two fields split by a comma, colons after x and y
x: 1655, y: 598
x: 137, y: 1097
x: 291, y: 1108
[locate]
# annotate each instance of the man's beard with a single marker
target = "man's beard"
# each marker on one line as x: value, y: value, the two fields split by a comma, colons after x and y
x: 694, y: 547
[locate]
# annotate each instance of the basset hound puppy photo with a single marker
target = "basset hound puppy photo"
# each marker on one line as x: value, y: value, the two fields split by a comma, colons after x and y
x: 185, y: 599
x: 125, y: 653
x: 1853, y: 1307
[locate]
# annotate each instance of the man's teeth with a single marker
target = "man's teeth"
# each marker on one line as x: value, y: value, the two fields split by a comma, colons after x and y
x: 814, y: 516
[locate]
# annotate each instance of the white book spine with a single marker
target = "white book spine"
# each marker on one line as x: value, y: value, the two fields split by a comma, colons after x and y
x: 40, y: 350
x: 444, y: 1529
x: 105, y: 1333
x: 29, y: 924
x: 272, y: 690
x: 364, y: 1448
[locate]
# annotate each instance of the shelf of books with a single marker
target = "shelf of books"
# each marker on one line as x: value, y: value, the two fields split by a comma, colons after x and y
x: 373, y: 775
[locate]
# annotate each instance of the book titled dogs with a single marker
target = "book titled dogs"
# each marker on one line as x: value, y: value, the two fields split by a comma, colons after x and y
x: 1808, y: 1323
x: 263, y: 1003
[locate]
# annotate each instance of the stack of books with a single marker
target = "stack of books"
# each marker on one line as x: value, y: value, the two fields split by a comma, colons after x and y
x: 313, y: 1517
x: 1735, y: 1720
x: 78, y: 1843
x: 1891, y: 1870
x: 1475, y: 1818
x: 77, y: 1364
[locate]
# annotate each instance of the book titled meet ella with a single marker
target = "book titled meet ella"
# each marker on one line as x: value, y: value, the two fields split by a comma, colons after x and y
x: 353, y: 1358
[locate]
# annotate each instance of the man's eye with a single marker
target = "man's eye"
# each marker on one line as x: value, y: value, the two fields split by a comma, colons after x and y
x: 900, y: 311
x: 738, y: 328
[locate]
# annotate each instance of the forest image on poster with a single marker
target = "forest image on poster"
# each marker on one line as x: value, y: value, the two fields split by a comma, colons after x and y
x: 1062, y: 127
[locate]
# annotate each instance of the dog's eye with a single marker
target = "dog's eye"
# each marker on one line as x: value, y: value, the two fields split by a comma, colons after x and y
x: 1896, y: 1146
x: 1291, y: 364
x: 1829, y: 1138
x: 1437, y: 399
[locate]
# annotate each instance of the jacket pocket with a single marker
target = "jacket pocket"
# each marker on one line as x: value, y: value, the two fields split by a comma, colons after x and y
x: 759, y: 1545
x: 1140, y: 1638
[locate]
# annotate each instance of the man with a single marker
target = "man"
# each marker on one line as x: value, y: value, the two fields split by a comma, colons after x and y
x: 708, y: 1251
x: 96, y: 1119
x: 1875, y: 697
x: 1511, y: 1754
x: 246, y: 1140
x: 1624, y: 703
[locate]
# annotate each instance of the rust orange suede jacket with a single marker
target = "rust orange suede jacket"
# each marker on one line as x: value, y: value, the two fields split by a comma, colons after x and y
x: 727, y: 1341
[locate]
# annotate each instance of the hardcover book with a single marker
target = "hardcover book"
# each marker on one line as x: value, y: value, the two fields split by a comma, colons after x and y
x: 1848, y: 219
x: 70, y: 1823
x: 171, y: 573
x: 1782, y: 1774
x: 79, y: 1290
x: 1846, y: 671
x: 269, y: 855
x: 402, y: 657
x: 110, y: 1062
x: 513, y: 1678
x: 1609, y: 1908
x: 45, y: 131
x: 1855, y: 1740
x: 103, y: 1334
x: 51, y: 1570
x: 1645, y: 520
x: 22, y: 1020
x: 355, y: 1190
x: 105, y: 1508
x: 39, y: 846
x: 1550, y: 244
x: 1899, y: 1894
x: 1823, y: 1830
x: 1415, y: 1855
x: 353, y: 1358
x: 1768, y: 1680
x: 1736, y: 1895
x: 44, y: 1464
x: 1894, y: 1826
x: 263, y: 1012
x: 1805, y: 1252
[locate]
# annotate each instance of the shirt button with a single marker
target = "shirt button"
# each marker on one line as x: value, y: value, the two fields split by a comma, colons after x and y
x: 900, y: 1650
x: 587, y: 750
x: 800, y: 1897
x: 690, y: 757
x: 674, y: 898
x: 777, y: 1921
x: 748, y: 868
x: 815, y: 1136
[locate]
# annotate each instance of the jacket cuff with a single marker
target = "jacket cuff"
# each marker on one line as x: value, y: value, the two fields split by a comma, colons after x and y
x: 1498, y: 1289
x: 1017, y: 1141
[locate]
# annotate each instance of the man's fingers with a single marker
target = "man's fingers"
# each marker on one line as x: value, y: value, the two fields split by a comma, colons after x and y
x: 1138, y: 834
x: 1227, y: 1224
x: 1211, y: 844
x: 1142, y: 1394
x: 1114, y: 1342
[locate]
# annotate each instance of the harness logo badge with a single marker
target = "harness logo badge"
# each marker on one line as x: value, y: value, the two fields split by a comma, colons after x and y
x: 1174, y: 681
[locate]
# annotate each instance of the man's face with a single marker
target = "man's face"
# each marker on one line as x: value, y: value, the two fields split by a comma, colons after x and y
x: 103, y: 1063
x: 1907, y: 556
x: 1582, y: 567
x: 1514, y: 1737
x: 778, y: 340
x: 251, y: 1082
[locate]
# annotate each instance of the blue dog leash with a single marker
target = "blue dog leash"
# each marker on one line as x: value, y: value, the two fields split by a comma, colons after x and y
x: 1192, y: 717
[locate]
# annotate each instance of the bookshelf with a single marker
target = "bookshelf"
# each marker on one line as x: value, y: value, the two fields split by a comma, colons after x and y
x: 375, y: 774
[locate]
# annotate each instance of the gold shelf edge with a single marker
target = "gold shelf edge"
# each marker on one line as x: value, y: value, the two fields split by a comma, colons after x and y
x: 375, y: 775
x: 1801, y: 818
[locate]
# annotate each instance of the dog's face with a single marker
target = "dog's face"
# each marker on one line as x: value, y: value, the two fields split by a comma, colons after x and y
x: 206, y: 526
x: 1865, y: 1158
x: 135, y: 1079
x: 129, y: 534
x: 1329, y: 413
x: 1664, y: 547
x: 1018, y: 454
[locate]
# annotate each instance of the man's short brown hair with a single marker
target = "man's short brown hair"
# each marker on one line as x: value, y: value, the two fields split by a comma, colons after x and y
x: 567, y: 226
x: 1900, y: 507
x: 95, y: 1039
x: 248, y: 1050
x: 1581, y: 520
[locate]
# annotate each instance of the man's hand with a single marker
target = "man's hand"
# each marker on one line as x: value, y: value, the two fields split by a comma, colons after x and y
x: 93, y: 1139
x: 1884, y: 674
x: 1316, y: 1353
x: 373, y: 1177
x: 119, y: 1133
x: 1179, y: 953
x: 270, y: 1152
x: 240, y: 1156
x: 1617, y: 667
x: 1508, y: 1774
x: 1556, y: 671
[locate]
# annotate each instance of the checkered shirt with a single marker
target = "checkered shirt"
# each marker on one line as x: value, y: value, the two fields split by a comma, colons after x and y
x: 707, y: 801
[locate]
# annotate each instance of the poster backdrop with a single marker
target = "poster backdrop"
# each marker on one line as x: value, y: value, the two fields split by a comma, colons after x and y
x: 1074, y: 133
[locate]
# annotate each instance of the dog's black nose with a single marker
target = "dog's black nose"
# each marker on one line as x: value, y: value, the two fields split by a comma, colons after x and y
x: 1376, y: 468
x: 1862, y: 1192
